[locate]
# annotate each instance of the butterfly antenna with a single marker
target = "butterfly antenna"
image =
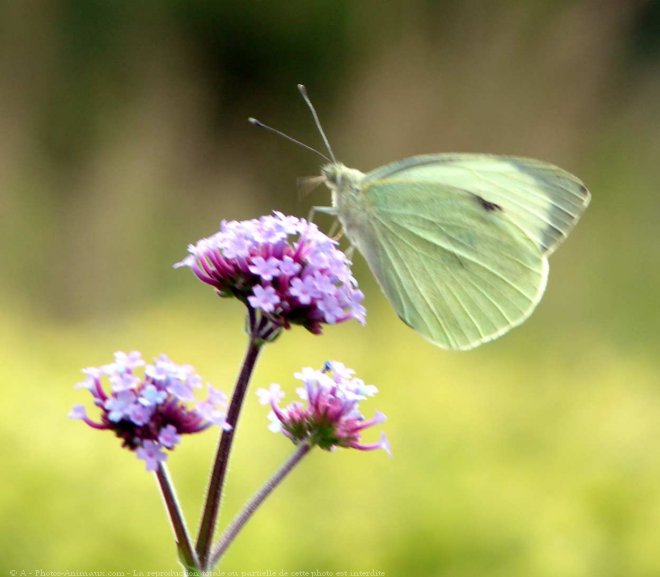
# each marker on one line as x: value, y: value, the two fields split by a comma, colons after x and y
x: 303, y: 92
x: 260, y: 124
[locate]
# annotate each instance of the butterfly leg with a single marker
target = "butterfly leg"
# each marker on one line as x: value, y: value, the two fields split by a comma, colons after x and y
x: 336, y: 232
x: 321, y: 210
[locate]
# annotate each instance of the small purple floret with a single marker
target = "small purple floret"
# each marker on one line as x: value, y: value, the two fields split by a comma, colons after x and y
x: 265, y: 298
x: 168, y: 437
x: 151, y: 453
x: 280, y: 265
x: 150, y: 412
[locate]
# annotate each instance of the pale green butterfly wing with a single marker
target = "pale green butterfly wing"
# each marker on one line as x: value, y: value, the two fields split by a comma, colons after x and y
x: 454, y: 267
x: 540, y: 198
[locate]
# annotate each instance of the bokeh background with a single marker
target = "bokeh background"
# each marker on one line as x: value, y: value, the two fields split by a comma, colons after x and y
x: 123, y: 137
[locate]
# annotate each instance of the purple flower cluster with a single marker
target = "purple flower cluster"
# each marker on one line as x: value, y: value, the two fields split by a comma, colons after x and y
x: 284, y: 267
x: 331, y: 416
x: 150, y: 413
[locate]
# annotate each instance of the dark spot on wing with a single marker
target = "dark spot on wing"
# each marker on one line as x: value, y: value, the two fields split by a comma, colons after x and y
x: 487, y: 205
x: 583, y: 189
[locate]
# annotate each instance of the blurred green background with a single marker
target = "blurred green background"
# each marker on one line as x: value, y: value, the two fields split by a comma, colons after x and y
x: 123, y: 137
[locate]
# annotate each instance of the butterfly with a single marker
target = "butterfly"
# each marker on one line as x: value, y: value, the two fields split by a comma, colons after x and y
x: 459, y: 243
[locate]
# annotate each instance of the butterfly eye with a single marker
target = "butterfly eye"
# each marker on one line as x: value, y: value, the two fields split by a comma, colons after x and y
x: 332, y: 175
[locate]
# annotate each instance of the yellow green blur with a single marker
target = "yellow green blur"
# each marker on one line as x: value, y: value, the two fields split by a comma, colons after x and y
x: 123, y: 138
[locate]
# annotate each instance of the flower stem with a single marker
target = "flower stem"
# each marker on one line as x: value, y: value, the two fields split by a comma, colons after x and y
x: 241, y: 519
x: 183, y: 542
x: 216, y: 482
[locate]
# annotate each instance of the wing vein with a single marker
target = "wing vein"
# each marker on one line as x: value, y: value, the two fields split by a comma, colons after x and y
x: 462, y: 304
x: 384, y: 242
x: 456, y: 252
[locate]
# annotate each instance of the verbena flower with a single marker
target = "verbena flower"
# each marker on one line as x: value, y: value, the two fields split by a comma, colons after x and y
x: 330, y: 416
x: 150, y: 412
x: 280, y: 265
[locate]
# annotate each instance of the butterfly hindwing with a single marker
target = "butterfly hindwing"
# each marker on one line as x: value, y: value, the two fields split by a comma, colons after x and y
x: 451, y: 262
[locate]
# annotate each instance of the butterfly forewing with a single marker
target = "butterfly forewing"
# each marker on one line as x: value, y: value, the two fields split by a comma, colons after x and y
x: 453, y: 265
x: 543, y: 200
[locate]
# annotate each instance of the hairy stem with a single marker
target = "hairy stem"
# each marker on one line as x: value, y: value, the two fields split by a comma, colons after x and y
x: 219, y: 472
x: 241, y: 519
x: 183, y: 542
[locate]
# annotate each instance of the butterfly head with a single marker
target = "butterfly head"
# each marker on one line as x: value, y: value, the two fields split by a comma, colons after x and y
x: 340, y: 178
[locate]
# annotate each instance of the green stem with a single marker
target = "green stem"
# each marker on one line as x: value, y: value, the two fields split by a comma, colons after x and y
x: 241, y: 519
x: 219, y: 472
x: 183, y: 542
